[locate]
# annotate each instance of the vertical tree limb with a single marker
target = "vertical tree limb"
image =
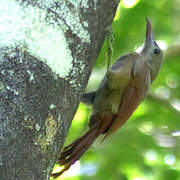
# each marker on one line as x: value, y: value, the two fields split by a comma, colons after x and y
x: 47, y: 50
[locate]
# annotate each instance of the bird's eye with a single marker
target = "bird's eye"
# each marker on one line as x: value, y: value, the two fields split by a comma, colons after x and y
x: 157, y: 51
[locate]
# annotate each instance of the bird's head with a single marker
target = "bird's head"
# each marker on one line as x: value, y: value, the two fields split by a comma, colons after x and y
x: 151, y: 51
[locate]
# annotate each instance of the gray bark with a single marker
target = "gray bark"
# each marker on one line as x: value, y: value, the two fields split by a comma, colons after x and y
x: 36, y: 104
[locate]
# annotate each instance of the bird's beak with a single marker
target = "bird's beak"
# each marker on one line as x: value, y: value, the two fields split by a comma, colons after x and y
x: 149, y: 32
x: 149, y: 36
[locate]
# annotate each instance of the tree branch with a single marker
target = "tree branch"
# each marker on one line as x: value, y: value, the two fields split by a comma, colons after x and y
x: 164, y: 102
x: 172, y: 51
x: 46, y: 55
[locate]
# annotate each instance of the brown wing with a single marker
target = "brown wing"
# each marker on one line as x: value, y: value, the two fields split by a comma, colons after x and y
x: 129, y: 103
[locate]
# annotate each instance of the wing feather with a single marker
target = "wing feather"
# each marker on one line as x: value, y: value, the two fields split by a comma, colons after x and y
x: 129, y: 103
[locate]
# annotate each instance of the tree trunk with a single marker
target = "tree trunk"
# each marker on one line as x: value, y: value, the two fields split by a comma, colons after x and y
x: 47, y: 50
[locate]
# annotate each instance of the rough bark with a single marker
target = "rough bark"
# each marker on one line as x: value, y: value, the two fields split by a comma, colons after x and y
x: 36, y: 104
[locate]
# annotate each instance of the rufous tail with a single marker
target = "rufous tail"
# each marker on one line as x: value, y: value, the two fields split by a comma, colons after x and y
x: 74, y: 151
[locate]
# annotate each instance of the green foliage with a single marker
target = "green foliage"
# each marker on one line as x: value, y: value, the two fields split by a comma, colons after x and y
x: 146, y: 147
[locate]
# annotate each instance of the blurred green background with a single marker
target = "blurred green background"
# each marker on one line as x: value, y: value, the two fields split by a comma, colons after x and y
x: 147, y: 147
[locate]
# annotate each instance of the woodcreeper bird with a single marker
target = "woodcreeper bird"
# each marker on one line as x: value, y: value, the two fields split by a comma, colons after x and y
x: 122, y: 90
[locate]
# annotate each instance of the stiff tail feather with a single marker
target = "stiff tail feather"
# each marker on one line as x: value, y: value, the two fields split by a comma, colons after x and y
x: 74, y: 151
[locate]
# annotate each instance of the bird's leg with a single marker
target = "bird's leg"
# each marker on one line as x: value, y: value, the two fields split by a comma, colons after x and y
x: 89, y: 97
x: 110, y: 74
x: 121, y: 74
x: 110, y: 39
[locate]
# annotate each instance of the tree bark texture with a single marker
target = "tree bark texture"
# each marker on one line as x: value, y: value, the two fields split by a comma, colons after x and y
x: 37, y: 104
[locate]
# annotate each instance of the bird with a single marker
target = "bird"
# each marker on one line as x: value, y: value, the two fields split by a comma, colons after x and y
x: 121, y: 91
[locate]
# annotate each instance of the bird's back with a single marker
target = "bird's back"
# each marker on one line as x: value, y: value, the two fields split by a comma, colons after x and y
x: 116, y: 105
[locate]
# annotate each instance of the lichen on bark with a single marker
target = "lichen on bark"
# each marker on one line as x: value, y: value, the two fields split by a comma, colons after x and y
x: 46, y: 57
